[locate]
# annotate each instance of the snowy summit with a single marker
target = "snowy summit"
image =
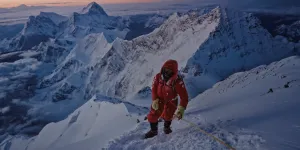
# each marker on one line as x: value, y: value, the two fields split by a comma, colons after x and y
x: 93, y: 8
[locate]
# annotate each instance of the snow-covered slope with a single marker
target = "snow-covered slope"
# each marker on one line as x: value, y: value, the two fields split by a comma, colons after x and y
x: 208, y: 48
x: 89, y: 127
x: 94, y: 8
x: 264, y: 99
x: 240, y: 110
x: 36, y: 30
x: 68, y: 80
x: 256, y: 109
x: 29, y: 79
x: 56, y: 18
x: 130, y: 61
x: 130, y: 65
x: 239, y: 43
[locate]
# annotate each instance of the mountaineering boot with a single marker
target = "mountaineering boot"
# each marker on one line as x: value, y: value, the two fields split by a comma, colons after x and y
x: 167, y: 127
x: 153, y: 131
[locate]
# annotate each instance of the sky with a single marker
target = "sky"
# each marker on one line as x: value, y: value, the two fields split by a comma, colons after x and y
x: 244, y: 3
x: 13, y: 3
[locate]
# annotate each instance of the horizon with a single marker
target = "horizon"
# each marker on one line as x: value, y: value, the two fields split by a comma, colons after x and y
x: 52, y: 3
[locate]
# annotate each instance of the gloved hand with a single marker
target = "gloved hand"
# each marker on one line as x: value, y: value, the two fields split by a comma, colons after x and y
x: 155, y: 105
x: 179, y: 113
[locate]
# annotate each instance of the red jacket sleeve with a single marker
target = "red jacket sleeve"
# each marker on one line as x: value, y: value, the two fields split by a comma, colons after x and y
x: 154, y: 87
x: 182, y: 92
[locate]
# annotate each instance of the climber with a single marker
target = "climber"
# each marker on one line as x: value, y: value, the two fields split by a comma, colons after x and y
x: 166, y: 87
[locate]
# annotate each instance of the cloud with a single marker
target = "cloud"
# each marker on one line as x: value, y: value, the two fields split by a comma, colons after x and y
x: 4, y: 110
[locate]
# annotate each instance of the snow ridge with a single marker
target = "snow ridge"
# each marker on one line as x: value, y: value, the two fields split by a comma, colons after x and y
x: 239, y: 43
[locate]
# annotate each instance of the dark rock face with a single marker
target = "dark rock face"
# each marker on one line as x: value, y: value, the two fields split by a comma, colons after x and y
x: 284, y: 25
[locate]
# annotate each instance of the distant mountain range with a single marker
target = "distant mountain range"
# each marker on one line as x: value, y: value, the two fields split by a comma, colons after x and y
x: 20, y: 8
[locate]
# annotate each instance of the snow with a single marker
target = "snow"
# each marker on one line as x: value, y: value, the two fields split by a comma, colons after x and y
x: 69, y: 78
x: 238, y: 110
x: 186, y: 137
x: 245, y: 100
x: 57, y: 19
x: 111, y: 9
x: 47, y: 27
x: 94, y: 8
x: 130, y: 64
x: 72, y: 59
x: 123, y: 69
x: 200, y: 45
x: 254, y: 118
x: 89, y: 127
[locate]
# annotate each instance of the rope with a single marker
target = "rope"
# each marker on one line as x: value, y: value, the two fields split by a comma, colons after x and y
x: 204, y: 132
x: 208, y: 134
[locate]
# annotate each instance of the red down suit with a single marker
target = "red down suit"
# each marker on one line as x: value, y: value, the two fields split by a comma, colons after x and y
x: 167, y: 93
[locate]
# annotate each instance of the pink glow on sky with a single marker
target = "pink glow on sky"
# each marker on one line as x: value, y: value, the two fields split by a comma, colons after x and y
x: 13, y: 3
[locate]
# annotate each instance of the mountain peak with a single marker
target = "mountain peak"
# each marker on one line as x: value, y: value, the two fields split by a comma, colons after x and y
x: 93, y: 8
x: 23, y: 5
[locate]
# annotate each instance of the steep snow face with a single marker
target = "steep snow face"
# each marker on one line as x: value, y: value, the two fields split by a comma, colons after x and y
x: 88, y: 127
x: 80, y: 74
x: 40, y: 25
x: 130, y: 65
x: 264, y: 100
x: 36, y: 30
x: 93, y: 19
x: 84, y: 56
x: 56, y: 18
x: 69, y: 79
x: 208, y: 48
x: 239, y: 43
x: 292, y: 31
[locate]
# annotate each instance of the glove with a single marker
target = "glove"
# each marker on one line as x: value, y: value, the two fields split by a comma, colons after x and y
x: 179, y: 113
x: 155, y: 105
